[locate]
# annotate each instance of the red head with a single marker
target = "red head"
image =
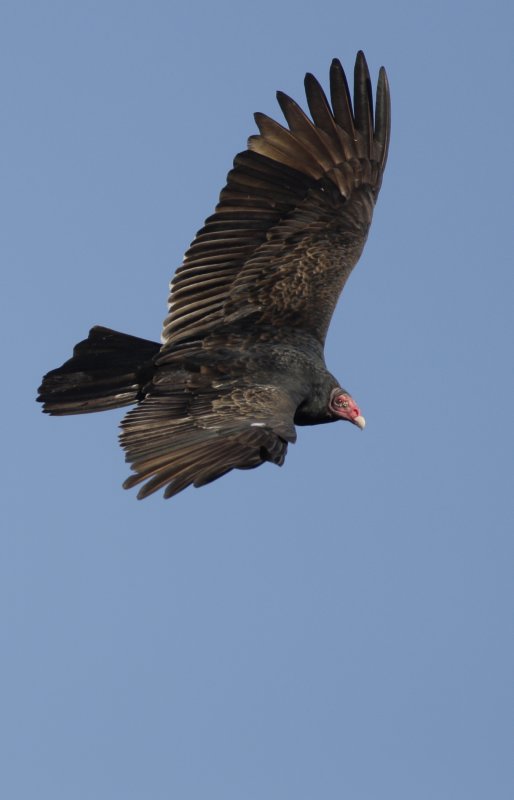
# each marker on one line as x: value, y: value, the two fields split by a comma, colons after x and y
x: 343, y: 406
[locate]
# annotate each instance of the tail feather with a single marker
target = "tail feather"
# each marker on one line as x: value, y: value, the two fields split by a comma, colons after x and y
x: 107, y: 370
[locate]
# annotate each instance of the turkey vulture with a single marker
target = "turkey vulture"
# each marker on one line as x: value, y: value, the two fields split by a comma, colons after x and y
x: 241, y: 361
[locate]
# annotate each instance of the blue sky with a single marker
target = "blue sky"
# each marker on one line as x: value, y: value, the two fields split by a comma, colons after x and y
x: 338, y: 628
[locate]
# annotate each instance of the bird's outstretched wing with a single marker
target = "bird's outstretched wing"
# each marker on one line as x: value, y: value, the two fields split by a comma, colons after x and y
x: 293, y: 218
x: 194, y: 428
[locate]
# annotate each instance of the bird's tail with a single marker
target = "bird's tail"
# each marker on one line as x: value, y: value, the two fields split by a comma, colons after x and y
x: 107, y: 370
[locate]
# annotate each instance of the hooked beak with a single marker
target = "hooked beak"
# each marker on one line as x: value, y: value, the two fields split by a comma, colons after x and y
x: 360, y: 422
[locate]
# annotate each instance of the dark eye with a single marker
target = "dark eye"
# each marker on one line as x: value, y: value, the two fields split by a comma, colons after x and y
x: 341, y: 403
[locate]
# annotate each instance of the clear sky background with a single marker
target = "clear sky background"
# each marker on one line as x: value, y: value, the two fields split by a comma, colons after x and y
x: 338, y: 628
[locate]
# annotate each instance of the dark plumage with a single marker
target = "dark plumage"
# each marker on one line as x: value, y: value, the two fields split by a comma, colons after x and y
x: 241, y: 361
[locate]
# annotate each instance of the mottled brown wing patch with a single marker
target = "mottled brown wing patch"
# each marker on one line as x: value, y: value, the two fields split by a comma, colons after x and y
x: 296, y: 278
x: 194, y: 436
x: 298, y: 198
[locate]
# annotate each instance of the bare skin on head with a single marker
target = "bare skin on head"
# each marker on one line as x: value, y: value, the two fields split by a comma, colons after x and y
x: 345, y: 407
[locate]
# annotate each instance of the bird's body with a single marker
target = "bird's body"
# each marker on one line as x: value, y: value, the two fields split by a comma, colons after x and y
x: 241, y: 361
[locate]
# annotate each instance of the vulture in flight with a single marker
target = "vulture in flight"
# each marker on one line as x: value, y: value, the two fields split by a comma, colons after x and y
x: 241, y: 362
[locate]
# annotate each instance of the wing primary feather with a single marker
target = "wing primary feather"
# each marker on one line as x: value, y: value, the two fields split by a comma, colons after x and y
x: 341, y: 98
x: 363, y: 101
x: 319, y: 106
x: 383, y: 117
